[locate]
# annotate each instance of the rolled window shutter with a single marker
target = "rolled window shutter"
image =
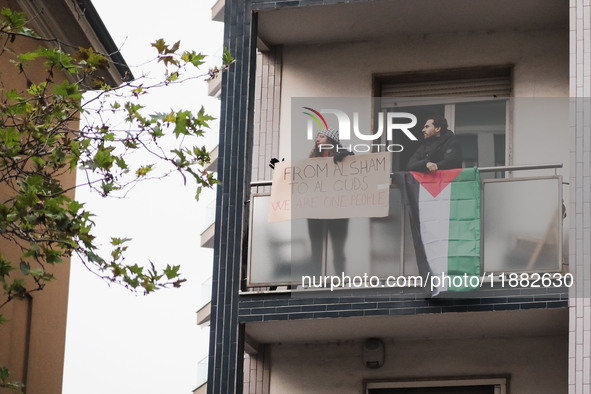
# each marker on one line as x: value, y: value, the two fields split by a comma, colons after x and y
x: 445, y: 87
x: 480, y: 87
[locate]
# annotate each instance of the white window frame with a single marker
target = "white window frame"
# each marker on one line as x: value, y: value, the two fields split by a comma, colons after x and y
x: 500, y: 384
x: 484, y: 139
x: 450, y: 87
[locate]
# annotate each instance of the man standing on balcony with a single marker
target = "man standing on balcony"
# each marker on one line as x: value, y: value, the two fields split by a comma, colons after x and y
x: 438, y: 151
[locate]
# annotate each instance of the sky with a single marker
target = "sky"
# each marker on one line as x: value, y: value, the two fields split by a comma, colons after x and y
x: 116, y: 341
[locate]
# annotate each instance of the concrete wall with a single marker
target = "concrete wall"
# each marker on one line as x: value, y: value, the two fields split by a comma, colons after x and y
x: 540, y: 60
x: 580, y: 204
x: 538, y: 120
x: 534, y: 365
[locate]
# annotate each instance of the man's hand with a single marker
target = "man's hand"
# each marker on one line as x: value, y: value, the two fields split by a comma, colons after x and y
x: 432, y: 166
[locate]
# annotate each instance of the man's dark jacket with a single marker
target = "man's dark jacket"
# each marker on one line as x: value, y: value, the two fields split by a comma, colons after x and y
x: 443, y: 151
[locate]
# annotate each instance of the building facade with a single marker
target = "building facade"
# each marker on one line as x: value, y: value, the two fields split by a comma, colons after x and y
x: 32, y: 342
x: 512, y: 79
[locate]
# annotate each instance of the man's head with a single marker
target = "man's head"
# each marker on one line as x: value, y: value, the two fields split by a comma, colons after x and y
x: 434, y: 126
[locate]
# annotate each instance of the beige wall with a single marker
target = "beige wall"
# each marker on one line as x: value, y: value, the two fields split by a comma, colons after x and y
x: 540, y: 60
x: 534, y: 365
x: 580, y: 208
x: 541, y: 72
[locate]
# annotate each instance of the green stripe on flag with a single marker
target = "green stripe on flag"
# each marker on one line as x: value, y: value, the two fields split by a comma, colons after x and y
x: 464, y: 227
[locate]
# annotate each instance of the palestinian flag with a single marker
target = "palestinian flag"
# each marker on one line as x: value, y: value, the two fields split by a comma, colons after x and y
x: 444, y: 212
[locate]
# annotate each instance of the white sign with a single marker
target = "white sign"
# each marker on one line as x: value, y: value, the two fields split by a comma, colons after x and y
x: 317, y: 188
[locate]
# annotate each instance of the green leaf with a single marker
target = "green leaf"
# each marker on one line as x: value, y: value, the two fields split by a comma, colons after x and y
x: 121, y: 163
x: 13, y: 95
x: 173, y: 77
x: 136, y: 269
x: 56, y: 58
x: 149, y: 287
x: 67, y: 89
x: 17, y: 287
x: 143, y: 171
x: 15, y: 22
x: 4, y: 374
x: 5, y: 268
x: 75, y: 206
x: 160, y: 45
x: 38, y: 272
x: 196, y: 59
x: 25, y: 268
x: 37, y: 160
x: 53, y: 256
x: 37, y: 90
x: 138, y: 90
x: 172, y: 272
x: 175, y: 47
x: 227, y: 58
x: 96, y: 60
x: 181, y: 123
x: 203, y: 118
x: 119, y: 241
x: 103, y: 158
x: 25, y: 57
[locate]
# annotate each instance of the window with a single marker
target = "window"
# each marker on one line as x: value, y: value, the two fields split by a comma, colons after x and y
x: 437, y: 390
x: 474, y: 102
x: 456, y: 386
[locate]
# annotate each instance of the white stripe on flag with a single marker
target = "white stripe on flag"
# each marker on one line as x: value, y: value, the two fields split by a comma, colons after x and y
x: 434, y: 224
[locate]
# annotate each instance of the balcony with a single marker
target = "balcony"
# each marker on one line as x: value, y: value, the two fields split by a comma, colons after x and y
x: 207, y: 236
x: 201, y: 377
x: 212, y: 166
x: 204, y: 313
x: 521, y: 232
x: 217, y: 11
x: 214, y: 86
x: 202, y: 389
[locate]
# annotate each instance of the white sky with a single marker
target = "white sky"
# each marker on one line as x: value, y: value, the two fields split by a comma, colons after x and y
x: 118, y: 342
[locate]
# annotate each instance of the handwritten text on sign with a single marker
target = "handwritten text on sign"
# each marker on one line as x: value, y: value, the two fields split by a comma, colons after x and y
x: 358, y: 186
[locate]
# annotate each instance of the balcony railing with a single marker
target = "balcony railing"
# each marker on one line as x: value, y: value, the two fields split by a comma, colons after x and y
x: 521, y: 231
x: 204, y: 312
x: 208, y: 233
x: 202, y: 371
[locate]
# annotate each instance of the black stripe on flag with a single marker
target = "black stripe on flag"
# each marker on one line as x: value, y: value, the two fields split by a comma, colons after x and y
x: 409, y: 188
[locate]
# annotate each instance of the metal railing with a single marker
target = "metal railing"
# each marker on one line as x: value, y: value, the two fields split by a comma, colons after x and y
x: 521, y: 231
x: 521, y: 167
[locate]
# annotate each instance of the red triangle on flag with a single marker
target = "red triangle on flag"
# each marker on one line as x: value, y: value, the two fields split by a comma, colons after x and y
x: 436, y: 181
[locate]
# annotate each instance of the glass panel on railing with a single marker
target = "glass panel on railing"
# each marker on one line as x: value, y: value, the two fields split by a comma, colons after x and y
x: 209, y: 214
x: 280, y: 252
x: 206, y: 291
x: 366, y: 245
x: 521, y: 228
x: 202, y: 371
x: 522, y: 224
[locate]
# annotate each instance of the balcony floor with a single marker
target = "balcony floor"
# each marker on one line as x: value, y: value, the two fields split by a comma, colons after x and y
x: 510, y: 323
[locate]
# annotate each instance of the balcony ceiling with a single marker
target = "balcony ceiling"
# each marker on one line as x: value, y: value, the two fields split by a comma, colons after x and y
x: 508, y: 324
x: 381, y: 19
